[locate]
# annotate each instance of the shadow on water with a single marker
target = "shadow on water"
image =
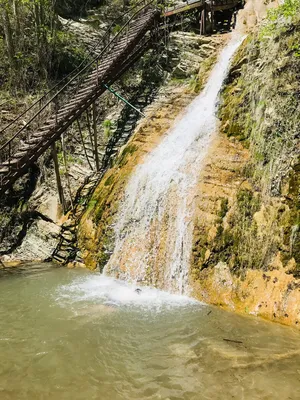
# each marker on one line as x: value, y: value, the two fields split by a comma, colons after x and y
x: 27, y: 269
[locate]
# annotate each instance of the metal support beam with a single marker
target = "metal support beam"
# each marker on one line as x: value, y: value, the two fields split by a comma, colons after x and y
x: 95, y: 137
x: 122, y: 98
x: 58, y: 179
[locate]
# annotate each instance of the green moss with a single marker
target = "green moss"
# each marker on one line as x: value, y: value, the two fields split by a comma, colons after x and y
x: 234, y: 241
x: 259, y: 102
x: 91, y: 205
x: 197, y: 82
x: 223, y: 207
x: 291, y: 224
x: 128, y: 151
x: 278, y: 19
x: 260, y: 107
x: 99, y: 212
x: 247, y: 203
x: 109, y: 181
x: 106, y: 248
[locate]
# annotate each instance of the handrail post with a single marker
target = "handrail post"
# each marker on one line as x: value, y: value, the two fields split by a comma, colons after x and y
x: 40, y: 107
x: 56, y: 109
x: 9, y: 152
x: 97, y: 72
x: 95, y: 136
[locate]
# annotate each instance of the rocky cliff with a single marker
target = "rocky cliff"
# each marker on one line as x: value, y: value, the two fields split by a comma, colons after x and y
x: 96, y: 226
x: 247, y: 240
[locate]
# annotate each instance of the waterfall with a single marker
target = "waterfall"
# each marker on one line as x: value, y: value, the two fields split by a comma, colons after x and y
x: 154, y: 225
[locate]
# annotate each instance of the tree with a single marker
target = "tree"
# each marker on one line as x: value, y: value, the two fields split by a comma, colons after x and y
x: 34, y: 43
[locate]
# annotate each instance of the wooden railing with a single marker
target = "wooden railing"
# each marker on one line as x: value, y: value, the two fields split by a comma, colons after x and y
x: 52, y: 100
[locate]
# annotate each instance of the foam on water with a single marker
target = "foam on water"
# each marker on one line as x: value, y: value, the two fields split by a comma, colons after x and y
x: 109, y: 291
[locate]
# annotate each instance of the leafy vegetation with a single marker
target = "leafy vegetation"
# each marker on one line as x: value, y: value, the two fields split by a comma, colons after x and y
x: 280, y: 18
x: 33, y: 48
x: 71, y: 8
x: 107, y: 125
x: 260, y: 107
x: 264, y: 112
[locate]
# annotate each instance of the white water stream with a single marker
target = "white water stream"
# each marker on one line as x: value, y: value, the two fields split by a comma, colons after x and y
x: 154, y: 225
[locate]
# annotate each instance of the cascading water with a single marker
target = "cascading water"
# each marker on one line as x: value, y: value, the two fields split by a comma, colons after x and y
x: 154, y: 226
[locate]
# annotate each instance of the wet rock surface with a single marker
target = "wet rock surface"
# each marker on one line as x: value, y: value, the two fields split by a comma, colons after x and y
x: 246, y: 253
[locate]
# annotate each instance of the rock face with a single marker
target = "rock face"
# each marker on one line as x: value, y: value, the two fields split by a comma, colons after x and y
x: 246, y: 241
x: 95, y: 229
x: 273, y: 295
x: 39, y: 243
x: 272, y: 291
x: 188, y: 51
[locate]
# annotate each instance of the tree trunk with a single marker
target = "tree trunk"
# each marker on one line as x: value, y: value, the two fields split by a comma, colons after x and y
x: 8, y: 37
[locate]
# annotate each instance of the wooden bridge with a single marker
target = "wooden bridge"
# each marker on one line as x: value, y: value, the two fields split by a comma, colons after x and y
x: 52, y: 114
x: 211, y: 5
x: 206, y: 9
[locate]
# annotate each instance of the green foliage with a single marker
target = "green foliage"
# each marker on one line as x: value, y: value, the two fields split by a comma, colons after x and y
x: 296, y: 50
x: 107, y: 125
x: 194, y: 84
x: 116, y: 29
x: 280, y: 18
x: 129, y: 150
x: 73, y: 8
x: 260, y: 107
x: 224, y: 207
x: 34, y: 48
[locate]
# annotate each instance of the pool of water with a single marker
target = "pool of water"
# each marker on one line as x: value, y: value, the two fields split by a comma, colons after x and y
x: 72, y: 334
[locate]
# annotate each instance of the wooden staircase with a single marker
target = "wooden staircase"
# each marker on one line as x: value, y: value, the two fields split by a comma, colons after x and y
x: 57, y: 112
x: 30, y: 142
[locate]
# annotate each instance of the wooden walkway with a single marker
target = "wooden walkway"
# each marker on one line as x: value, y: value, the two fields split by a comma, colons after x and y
x: 49, y: 117
x: 212, y: 5
x: 32, y: 140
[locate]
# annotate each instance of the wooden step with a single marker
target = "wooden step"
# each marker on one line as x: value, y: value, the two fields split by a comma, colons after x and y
x: 77, y: 100
x: 38, y: 134
x: 33, y: 140
x: 47, y: 127
x: 3, y: 169
x: 20, y: 154
x: 86, y: 89
x: 67, y: 107
x: 58, y: 117
x: 11, y: 162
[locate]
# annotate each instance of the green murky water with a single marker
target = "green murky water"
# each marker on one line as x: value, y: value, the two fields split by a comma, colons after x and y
x: 76, y: 335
